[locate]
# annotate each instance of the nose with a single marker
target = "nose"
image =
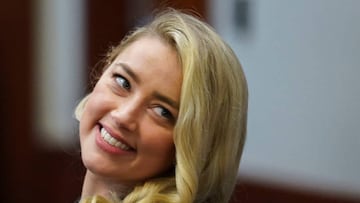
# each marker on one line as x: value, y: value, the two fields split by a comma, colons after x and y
x: 126, y: 115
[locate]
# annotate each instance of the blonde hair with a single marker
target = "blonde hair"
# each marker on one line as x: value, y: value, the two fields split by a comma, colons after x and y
x: 210, y: 131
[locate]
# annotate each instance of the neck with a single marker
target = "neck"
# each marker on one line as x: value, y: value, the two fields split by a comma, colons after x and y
x: 96, y: 185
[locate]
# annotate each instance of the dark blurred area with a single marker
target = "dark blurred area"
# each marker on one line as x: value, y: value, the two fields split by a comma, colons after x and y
x: 30, y: 173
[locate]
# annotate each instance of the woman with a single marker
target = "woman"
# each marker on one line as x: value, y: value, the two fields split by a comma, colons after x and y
x: 166, y: 121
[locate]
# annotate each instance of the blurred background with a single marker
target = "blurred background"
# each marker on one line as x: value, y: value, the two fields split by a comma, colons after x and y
x: 301, y: 59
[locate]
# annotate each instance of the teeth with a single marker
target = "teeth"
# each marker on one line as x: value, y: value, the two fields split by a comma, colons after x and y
x: 112, y: 141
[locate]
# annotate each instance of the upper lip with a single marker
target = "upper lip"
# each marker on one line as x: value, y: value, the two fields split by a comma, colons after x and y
x: 116, y: 135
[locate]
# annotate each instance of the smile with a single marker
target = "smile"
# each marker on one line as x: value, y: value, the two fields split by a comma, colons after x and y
x: 112, y: 141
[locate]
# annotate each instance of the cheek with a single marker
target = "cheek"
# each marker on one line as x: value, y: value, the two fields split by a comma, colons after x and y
x: 99, y: 100
x: 158, y: 142
x: 94, y: 109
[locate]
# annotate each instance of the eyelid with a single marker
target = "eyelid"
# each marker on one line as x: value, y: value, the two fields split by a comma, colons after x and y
x: 129, y: 71
x: 167, y: 100
x: 167, y: 110
x: 172, y: 115
x: 116, y: 76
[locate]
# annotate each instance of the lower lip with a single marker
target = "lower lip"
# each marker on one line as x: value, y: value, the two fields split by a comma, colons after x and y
x: 102, y: 144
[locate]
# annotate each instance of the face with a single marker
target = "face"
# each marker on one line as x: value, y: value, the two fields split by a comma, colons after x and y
x: 126, y: 129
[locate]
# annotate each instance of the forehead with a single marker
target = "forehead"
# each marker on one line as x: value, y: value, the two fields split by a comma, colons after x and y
x: 150, y: 53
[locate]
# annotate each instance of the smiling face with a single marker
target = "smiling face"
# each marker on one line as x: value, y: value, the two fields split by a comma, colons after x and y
x: 126, y: 129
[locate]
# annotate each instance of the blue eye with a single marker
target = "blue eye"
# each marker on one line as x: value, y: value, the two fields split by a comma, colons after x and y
x: 123, y: 82
x: 163, y: 112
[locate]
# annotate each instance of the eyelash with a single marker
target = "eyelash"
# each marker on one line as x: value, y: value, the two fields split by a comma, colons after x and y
x: 165, y: 113
x: 125, y: 84
x: 119, y: 79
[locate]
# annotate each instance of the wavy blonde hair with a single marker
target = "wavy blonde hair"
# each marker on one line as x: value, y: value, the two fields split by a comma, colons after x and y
x: 210, y: 131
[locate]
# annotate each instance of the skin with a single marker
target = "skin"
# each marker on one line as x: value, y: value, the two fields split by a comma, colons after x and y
x: 136, y: 100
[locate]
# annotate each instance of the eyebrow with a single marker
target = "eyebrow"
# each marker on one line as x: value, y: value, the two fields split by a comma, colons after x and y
x: 167, y: 100
x: 128, y: 70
